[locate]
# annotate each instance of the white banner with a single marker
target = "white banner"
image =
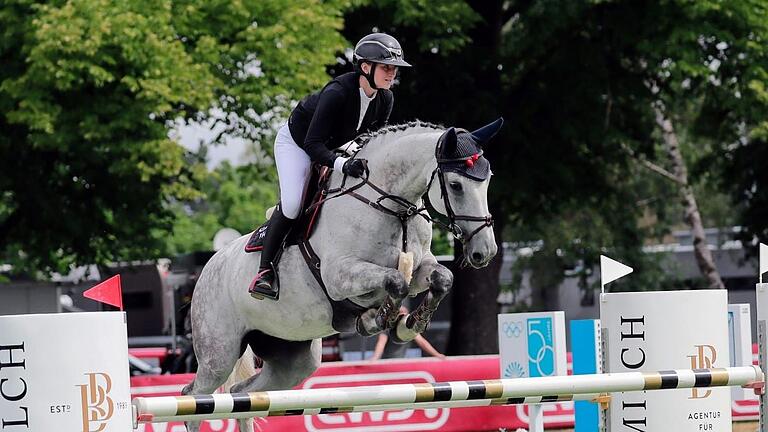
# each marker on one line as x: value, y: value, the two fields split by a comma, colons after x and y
x: 532, y: 344
x: 64, y: 372
x: 740, y: 341
x: 663, y: 330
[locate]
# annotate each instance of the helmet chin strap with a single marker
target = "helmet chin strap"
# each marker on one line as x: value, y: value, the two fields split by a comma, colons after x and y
x: 369, y: 76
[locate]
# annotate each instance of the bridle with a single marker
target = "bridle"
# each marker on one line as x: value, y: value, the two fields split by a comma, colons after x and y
x: 452, y: 226
x: 410, y: 209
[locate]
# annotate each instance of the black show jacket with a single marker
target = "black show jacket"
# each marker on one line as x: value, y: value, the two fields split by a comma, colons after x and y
x: 327, y: 119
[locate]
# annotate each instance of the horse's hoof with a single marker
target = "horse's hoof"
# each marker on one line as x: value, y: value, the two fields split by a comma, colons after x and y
x: 395, y: 338
x: 366, y: 324
x: 401, y: 333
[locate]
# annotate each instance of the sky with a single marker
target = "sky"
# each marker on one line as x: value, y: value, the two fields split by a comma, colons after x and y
x: 189, y: 136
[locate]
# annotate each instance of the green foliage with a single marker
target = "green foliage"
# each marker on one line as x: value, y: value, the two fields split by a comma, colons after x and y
x: 88, y: 89
x: 233, y: 197
x: 442, y: 242
x: 576, y: 82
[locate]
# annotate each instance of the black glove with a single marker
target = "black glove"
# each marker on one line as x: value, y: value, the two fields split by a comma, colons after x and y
x: 354, y: 167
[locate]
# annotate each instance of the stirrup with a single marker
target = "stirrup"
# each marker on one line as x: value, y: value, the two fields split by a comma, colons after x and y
x: 259, y: 292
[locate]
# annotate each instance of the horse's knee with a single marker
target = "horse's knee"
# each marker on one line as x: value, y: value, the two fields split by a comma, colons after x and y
x: 441, y: 280
x: 395, y: 285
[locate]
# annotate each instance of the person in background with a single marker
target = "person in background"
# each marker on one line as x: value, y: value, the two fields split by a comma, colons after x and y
x: 388, y: 349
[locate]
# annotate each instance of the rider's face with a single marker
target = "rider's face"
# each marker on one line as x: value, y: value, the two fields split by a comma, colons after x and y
x: 383, y: 76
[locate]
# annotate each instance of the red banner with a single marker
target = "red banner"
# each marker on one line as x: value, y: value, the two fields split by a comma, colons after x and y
x: 345, y: 374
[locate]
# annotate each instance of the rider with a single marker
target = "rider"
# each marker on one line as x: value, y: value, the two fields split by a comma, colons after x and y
x: 349, y: 105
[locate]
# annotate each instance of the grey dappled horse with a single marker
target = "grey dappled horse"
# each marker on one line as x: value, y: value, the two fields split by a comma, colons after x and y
x: 359, y: 246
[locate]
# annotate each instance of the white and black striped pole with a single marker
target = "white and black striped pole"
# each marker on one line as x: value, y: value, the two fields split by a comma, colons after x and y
x: 431, y: 395
x: 222, y: 400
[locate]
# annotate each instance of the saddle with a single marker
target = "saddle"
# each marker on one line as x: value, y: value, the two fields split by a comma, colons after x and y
x: 303, y: 228
x: 344, y: 312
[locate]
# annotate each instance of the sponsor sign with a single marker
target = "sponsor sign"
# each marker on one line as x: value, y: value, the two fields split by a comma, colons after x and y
x: 66, y: 372
x: 740, y: 342
x: 532, y: 344
x: 405, y: 420
x: 661, y: 330
x: 587, y: 359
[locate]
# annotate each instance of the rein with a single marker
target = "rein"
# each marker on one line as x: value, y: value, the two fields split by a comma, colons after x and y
x: 412, y: 210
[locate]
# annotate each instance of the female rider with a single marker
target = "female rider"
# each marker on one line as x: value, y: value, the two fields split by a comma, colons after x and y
x: 349, y: 105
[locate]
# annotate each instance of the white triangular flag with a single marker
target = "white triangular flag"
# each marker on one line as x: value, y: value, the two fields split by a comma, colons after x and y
x: 610, y: 270
x: 763, y: 260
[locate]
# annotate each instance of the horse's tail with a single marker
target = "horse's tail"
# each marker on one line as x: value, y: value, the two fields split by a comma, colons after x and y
x: 244, y: 369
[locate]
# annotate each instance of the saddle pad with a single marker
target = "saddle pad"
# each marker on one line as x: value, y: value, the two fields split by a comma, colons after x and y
x: 256, y: 242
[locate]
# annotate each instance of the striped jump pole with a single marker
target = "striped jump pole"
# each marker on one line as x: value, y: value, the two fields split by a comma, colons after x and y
x: 432, y: 395
x: 224, y: 400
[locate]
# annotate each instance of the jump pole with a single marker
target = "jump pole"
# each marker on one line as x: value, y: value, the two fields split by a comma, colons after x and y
x: 225, y: 399
x: 432, y: 395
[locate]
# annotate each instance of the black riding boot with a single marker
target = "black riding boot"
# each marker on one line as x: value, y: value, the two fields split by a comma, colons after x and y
x: 263, y: 284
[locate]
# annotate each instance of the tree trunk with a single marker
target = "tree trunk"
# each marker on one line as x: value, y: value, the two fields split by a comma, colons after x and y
x: 474, y: 304
x: 692, y: 215
x: 8, y: 224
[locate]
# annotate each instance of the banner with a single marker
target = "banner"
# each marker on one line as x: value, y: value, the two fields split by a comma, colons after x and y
x: 65, y: 372
x: 532, y: 344
x: 663, y: 330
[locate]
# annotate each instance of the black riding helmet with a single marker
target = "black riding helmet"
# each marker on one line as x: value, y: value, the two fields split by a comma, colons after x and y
x: 377, y: 48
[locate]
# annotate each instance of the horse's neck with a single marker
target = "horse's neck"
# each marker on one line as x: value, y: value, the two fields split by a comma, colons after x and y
x: 403, y: 166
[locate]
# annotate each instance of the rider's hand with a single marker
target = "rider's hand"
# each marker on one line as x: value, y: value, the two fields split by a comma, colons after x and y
x: 350, y: 148
x: 354, y: 168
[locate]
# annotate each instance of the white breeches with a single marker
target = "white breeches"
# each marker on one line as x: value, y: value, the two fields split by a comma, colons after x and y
x: 293, y: 171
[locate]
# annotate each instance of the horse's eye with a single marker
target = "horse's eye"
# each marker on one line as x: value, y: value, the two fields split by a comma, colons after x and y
x: 455, y: 186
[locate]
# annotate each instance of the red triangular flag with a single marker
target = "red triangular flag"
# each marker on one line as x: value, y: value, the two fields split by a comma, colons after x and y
x: 108, y: 292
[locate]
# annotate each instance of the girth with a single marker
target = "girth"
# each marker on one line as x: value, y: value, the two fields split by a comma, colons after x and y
x: 345, y: 311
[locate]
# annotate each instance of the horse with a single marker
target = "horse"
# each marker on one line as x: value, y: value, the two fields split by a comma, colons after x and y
x: 365, y: 227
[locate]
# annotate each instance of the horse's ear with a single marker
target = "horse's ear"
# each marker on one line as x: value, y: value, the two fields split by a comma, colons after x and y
x: 449, y: 142
x: 485, y: 133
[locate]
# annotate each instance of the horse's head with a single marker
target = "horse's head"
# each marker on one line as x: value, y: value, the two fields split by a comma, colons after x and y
x: 461, y: 190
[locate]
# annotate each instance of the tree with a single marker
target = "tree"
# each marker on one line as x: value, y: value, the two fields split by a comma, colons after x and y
x: 572, y: 81
x: 89, y: 88
x: 701, y: 63
x: 234, y: 197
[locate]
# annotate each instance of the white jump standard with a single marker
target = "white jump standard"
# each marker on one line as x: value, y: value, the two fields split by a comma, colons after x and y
x: 432, y: 395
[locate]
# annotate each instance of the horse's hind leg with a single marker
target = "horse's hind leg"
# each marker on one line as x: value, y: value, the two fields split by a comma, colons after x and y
x: 286, y: 364
x: 207, y: 380
x: 217, y: 352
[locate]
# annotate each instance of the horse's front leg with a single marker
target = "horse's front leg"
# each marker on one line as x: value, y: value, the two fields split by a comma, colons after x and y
x: 439, y: 280
x: 352, y: 277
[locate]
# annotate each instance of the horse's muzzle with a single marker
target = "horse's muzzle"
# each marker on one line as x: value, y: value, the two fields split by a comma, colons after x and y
x: 479, y: 256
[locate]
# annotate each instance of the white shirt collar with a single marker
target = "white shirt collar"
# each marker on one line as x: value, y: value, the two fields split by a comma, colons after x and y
x: 364, y: 102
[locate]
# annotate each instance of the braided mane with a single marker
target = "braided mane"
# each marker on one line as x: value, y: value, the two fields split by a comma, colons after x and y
x: 399, y: 130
